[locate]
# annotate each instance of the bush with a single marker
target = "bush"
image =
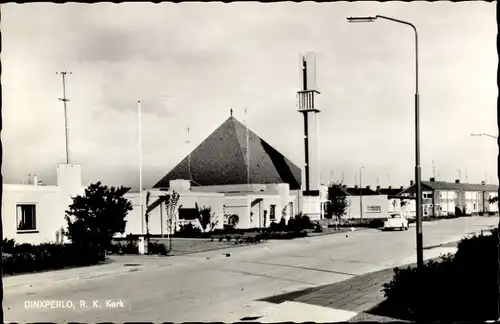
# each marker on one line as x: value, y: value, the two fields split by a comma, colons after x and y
x: 129, y: 246
x: 376, y: 223
x: 282, y: 224
x: 274, y: 227
x: 459, y: 288
x: 48, y: 256
x: 283, y: 235
x: 157, y: 248
x: 190, y: 231
x: 299, y: 223
x: 318, y: 228
x: 8, y: 245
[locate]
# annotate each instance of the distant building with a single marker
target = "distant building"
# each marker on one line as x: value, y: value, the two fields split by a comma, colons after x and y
x: 441, y: 198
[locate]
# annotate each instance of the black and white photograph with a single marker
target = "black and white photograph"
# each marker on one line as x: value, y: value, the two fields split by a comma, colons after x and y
x: 249, y: 162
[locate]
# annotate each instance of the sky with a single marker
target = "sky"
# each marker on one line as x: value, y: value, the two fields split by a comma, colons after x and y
x: 190, y: 63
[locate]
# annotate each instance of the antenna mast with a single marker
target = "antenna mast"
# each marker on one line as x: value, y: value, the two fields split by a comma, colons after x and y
x: 189, y: 150
x: 433, y: 169
x: 65, y: 100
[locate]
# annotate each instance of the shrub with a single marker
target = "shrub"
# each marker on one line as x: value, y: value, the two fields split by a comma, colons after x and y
x: 8, y: 245
x: 376, y: 223
x: 48, y: 256
x: 459, y: 288
x: 228, y: 238
x: 318, y: 228
x: 189, y: 231
x: 284, y: 235
x: 300, y: 223
x: 282, y: 224
x: 274, y: 226
x: 157, y: 248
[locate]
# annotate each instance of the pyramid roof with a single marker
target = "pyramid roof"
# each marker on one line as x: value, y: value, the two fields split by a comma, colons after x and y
x: 221, y: 159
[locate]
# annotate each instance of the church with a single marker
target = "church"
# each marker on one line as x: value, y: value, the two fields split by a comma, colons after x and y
x: 235, y: 172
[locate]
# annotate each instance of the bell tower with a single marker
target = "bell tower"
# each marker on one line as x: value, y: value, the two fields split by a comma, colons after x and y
x: 307, y: 107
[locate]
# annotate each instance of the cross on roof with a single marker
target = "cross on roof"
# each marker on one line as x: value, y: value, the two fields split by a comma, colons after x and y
x: 231, y: 111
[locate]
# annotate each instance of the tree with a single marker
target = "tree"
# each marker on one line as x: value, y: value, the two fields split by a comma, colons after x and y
x: 96, y: 216
x: 171, y: 201
x: 337, y: 201
x: 206, y: 217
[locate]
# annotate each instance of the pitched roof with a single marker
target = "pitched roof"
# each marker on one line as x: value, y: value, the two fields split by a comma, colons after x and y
x: 390, y: 191
x: 221, y: 159
x: 441, y: 185
x: 363, y: 191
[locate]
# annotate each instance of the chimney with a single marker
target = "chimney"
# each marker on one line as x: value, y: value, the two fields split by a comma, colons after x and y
x: 368, y: 187
x: 35, y: 180
x: 412, y: 183
x: 483, y: 183
x: 402, y: 188
x: 390, y: 187
x: 457, y: 181
x: 433, y: 179
x: 378, y: 188
x: 356, y: 187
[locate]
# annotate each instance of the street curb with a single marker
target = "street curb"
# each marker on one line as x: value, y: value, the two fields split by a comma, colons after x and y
x: 80, y: 277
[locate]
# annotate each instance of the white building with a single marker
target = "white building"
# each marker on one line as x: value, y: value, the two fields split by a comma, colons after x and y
x: 34, y: 213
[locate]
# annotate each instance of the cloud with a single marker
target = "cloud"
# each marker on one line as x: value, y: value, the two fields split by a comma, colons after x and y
x: 190, y: 63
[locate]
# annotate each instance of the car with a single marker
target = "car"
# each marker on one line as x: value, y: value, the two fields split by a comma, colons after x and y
x: 396, y: 221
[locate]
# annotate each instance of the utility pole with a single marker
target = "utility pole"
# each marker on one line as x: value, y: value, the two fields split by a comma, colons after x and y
x: 433, y: 170
x: 65, y: 100
x: 188, y: 144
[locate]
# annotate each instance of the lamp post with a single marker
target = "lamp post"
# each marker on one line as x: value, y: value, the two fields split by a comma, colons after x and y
x: 418, y: 184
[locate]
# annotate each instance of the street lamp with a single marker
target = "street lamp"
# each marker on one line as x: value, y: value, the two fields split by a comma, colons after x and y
x: 484, y: 134
x: 420, y: 253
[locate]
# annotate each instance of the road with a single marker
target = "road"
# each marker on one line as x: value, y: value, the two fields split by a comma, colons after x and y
x: 213, y: 287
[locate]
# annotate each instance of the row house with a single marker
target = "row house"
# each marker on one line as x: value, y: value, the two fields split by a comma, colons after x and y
x: 441, y: 198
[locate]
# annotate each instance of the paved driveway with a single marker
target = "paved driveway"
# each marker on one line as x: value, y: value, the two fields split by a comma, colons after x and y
x: 213, y: 287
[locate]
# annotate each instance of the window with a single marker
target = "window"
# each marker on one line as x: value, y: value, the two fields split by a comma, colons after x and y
x: 272, y: 212
x: 427, y: 195
x: 374, y: 209
x: 26, y: 217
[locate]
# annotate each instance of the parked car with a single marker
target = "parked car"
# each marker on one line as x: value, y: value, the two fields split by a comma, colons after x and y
x: 396, y: 221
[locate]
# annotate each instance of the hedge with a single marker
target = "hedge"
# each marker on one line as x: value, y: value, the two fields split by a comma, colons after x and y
x: 25, y: 258
x: 463, y: 287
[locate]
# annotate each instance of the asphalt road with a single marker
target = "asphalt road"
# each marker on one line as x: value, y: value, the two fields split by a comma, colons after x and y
x: 213, y: 287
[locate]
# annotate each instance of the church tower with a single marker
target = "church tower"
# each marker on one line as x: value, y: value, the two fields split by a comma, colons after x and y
x: 311, y: 204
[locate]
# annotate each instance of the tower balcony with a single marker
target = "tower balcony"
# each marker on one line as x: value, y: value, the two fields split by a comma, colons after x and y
x: 306, y: 100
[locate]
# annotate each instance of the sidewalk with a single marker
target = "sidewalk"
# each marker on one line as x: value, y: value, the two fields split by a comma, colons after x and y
x: 349, y: 300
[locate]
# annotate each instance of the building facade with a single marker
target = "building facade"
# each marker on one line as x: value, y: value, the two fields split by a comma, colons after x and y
x: 34, y: 213
x: 441, y: 198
